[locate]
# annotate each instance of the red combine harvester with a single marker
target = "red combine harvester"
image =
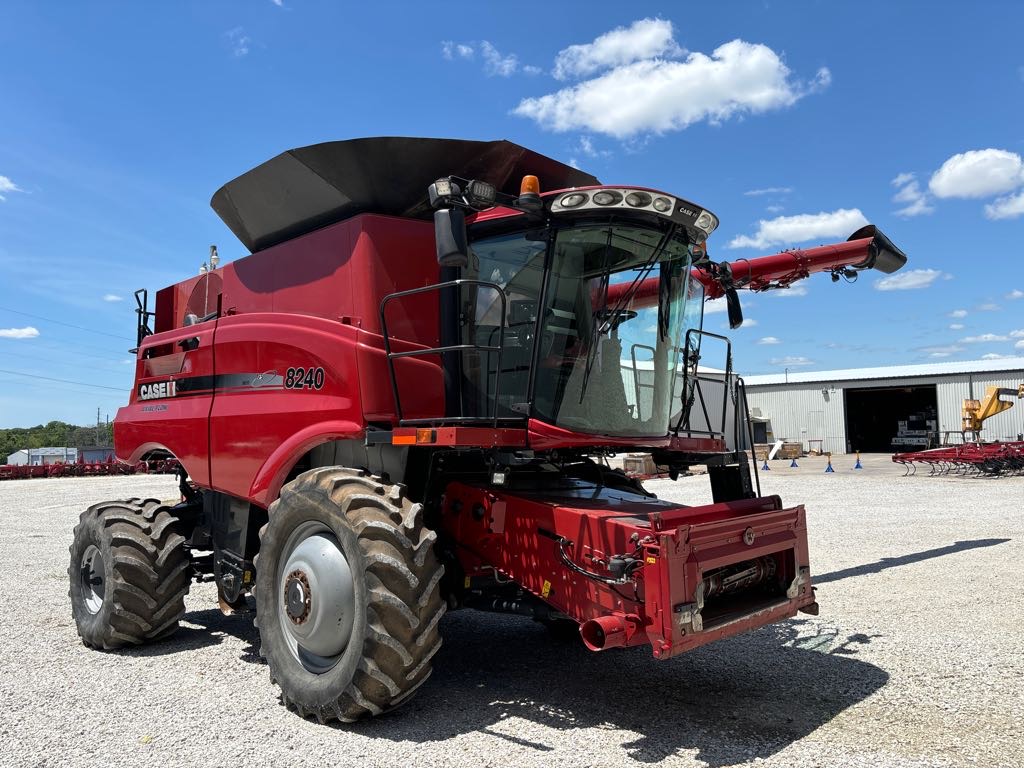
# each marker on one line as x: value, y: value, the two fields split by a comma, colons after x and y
x: 402, y: 403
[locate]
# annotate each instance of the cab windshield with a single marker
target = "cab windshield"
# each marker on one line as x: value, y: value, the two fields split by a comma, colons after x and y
x: 604, y: 331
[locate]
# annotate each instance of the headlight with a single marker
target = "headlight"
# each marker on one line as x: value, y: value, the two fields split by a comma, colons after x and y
x: 572, y: 200
x: 607, y: 197
x: 707, y: 222
x: 661, y: 205
x: 638, y: 199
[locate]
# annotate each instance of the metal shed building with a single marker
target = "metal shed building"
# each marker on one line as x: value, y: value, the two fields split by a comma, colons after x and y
x: 45, y: 456
x: 861, y: 409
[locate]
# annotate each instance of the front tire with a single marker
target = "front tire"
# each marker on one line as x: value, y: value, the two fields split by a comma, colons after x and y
x: 348, y: 595
x: 129, y: 573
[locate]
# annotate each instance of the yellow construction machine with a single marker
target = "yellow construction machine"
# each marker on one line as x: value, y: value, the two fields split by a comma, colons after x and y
x: 976, y: 412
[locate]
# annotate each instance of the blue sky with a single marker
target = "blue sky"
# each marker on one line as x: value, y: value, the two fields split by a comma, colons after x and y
x: 790, y: 120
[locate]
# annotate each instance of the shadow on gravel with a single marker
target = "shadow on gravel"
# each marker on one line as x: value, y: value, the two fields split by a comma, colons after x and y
x: 888, y: 563
x: 733, y: 701
x: 212, y: 627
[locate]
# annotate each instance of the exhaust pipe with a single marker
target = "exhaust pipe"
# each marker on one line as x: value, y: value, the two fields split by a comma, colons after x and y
x: 609, y: 632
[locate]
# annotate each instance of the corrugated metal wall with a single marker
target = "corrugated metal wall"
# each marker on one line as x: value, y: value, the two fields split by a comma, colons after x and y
x: 805, y: 412
x: 953, y: 389
x: 802, y: 412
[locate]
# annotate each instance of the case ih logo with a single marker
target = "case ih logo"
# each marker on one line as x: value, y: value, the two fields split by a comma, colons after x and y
x: 153, y: 390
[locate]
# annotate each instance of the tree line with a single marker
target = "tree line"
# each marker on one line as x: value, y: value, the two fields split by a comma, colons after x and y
x: 53, y: 434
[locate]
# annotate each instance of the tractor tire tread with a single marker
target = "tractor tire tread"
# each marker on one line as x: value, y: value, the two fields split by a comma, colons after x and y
x: 402, y: 576
x: 150, y: 572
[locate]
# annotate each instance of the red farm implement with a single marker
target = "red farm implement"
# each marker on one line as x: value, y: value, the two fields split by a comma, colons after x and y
x: 977, y: 459
x: 81, y: 469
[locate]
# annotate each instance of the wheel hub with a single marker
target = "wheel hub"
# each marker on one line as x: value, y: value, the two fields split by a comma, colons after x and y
x: 297, y: 596
x: 317, y: 597
x: 91, y: 572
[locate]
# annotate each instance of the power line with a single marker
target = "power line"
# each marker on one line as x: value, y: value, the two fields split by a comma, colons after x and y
x: 76, y: 345
x: 59, y: 388
x: 62, y: 323
x: 62, y: 361
x: 66, y: 381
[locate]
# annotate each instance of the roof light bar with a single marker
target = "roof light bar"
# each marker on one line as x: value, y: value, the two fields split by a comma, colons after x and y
x: 686, y: 213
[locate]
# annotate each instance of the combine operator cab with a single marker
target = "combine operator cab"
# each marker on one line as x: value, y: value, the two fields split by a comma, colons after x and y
x: 406, y: 400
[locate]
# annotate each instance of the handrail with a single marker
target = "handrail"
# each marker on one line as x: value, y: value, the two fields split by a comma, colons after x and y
x: 456, y: 284
x: 741, y: 396
x: 143, y: 313
x: 692, y: 390
x: 636, y: 375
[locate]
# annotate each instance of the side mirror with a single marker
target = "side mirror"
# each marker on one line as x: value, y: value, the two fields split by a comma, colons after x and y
x: 450, y: 237
x: 732, y: 304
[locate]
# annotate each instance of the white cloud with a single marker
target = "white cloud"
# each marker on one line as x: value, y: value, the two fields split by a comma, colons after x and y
x: 769, y: 340
x: 451, y: 49
x: 956, y: 326
x: 1017, y: 333
x: 587, y: 147
x: 112, y: 298
x: 239, y: 41
x: 768, y: 191
x: 1019, y: 345
x: 958, y: 314
x: 660, y: 94
x: 984, y: 339
x: 909, y: 192
x: 495, y: 63
x: 28, y: 332
x: 6, y: 185
x: 1009, y: 207
x: 278, y: 3
x: 749, y: 322
x: 942, y: 352
x: 643, y: 39
x: 713, y: 306
x: 791, y: 360
x: 978, y: 174
x: 796, y: 290
x: 789, y: 230
x: 1015, y: 294
x: 902, y: 179
x: 908, y: 279
x: 989, y: 307
x: 917, y: 208
x: 994, y: 356
x: 774, y: 209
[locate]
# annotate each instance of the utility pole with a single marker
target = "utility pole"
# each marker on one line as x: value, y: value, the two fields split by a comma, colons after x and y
x: 97, y: 425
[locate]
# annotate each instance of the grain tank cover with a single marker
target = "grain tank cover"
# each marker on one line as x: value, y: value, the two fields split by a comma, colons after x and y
x: 307, y: 188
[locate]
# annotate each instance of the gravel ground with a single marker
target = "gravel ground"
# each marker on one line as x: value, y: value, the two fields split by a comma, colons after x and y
x: 915, y: 659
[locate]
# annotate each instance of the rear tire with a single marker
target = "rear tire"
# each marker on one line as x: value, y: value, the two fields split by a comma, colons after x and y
x: 129, y: 573
x: 348, y: 595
